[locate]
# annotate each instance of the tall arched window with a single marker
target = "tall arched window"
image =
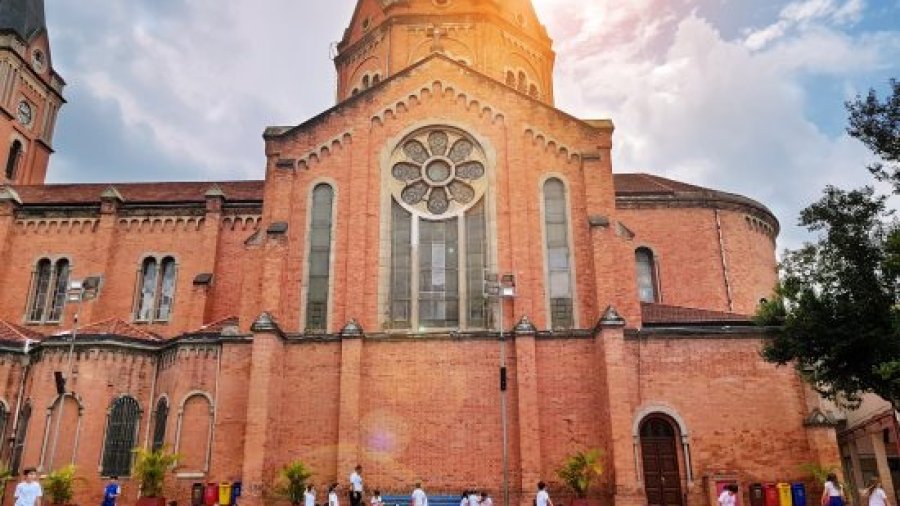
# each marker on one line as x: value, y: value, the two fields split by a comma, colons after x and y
x: 19, y: 443
x: 48, y: 291
x: 12, y: 160
x: 320, y: 230
x: 121, y: 436
x: 156, y: 290
x: 438, y: 236
x: 160, y: 418
x: 559, y: 259
x: 646, y: 275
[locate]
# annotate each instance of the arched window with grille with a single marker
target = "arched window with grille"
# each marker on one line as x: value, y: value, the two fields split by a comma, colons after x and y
x: 646, y: 275
x: 319, y: 257
x: 12, y: 160
x: 559, y: 257
x: 48, y: 291
x: 160, y: 418
x: 156, y: 289
x: 121, y: 436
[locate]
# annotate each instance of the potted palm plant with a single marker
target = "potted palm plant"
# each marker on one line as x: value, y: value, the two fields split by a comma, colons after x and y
x: 579, y: 471
x: 292, y: 482
x: 59, y: 485
x: 150, y: 467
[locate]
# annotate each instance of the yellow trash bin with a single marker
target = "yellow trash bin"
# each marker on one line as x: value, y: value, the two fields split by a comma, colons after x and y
x: 784, y: 494
x: 225, y: 494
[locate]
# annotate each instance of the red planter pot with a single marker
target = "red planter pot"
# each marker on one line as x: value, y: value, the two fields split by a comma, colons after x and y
x: 151, y: 501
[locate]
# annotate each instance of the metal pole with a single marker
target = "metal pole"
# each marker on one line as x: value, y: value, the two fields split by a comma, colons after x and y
x: 62, y: 398
x: 503, y: 421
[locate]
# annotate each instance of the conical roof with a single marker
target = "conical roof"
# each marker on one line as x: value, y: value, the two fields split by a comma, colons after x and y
x: 25, y: 18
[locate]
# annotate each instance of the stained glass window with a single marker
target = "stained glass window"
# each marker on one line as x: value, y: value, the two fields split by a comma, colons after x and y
x: 559, y: 270
x: 121, y: 431
x: 320, y: 231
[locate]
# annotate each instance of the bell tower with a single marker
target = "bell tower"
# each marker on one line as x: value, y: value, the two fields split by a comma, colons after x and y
x: 500, y: 38
x: 30, y: 93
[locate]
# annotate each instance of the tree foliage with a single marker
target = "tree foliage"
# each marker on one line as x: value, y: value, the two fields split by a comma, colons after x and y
x: 877, y: 124
x: 579, y: 470
x: 292, y: 482
x: 836, y: 312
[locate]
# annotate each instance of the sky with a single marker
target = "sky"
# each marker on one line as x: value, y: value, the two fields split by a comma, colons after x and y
x: 745, y: 96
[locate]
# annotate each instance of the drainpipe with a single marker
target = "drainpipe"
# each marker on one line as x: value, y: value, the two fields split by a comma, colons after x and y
x: 728, y: 293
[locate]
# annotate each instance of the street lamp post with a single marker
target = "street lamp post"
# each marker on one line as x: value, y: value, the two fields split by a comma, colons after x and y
x: 77, y: 292
x: 502, y: 287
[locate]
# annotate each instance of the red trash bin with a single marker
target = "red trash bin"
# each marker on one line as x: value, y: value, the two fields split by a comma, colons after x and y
x: 211, y: 495
x: 771, y: 494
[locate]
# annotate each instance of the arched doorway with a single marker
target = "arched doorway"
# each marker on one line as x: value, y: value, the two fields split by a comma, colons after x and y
x: 659, y: 453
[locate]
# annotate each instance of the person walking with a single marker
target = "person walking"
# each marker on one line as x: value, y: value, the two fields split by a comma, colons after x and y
x: 418, y: 496
x: 309, y: 496
x: 333, y: 496
x: 112, y: 491
x: 728, y: 495
x: 832, y: 495
x: 486, y: 499
x: 875, y: 494
x: 28, y: 492
x: 543, y: 497
x: 473, y: 498
x: 356, y: 486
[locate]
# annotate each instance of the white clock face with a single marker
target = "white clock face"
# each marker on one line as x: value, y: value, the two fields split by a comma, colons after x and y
x: 24, y: 113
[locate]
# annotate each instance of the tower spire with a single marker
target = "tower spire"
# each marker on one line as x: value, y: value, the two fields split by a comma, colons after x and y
x: 25, y: 18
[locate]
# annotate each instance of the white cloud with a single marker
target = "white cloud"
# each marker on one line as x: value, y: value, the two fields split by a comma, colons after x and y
x: 721, y: 113
x: 800, y: 14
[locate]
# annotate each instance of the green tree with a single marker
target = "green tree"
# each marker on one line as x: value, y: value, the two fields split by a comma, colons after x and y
x: 835, y: 313
x: 877, y: 124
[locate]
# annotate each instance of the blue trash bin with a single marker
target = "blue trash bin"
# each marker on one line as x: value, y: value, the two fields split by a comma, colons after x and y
x: 798, y: 493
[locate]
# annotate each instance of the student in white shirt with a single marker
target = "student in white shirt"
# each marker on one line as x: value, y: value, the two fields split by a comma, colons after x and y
x: 418, y: 496
x: 486, y: 500
x: 376, y: 499
x: 356, y: 486
x: 333, y: 496
x: 309, y: 496
x: 542, y: 498
x: 28, y: 492
x: 832, y: 495
x: 473, y: 498
x: 728, y: 495
x: 464, y: 498
x: 876, y: 494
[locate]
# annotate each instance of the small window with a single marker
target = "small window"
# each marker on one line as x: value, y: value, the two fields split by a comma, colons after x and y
x: 646, y: 275
x: 21, y: 429
x: 376, y: 79
x: 510, y: 78
x: 161, y: 417
x: 156, y: 290
x: 354, y: 92
x: 365, y: 82
x: 121, y: 432
x: 12, y: 161
x: 523, y: 82
x: 533, y: 91
x: 48, y: 291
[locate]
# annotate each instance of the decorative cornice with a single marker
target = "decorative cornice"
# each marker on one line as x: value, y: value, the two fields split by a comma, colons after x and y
x: 817, y: 418
x: 611, y: 318
x: 265, y: 324
x: 352, y: 329
x: 524, y: 327
x: 111, y: 193
x: 9, y: 194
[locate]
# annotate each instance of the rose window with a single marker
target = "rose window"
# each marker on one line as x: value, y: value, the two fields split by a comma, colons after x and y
x: 438, y: 171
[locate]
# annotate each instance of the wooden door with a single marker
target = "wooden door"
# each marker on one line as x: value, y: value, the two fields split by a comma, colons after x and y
x: 659, y: 452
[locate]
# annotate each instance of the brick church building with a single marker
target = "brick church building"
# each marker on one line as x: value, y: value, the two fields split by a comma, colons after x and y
x: 355, y: 304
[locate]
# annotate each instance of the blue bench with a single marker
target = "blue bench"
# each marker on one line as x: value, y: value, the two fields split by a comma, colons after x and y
x: 433, y: 500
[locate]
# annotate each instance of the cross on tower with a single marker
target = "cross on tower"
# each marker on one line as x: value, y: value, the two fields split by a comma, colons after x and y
x: 435, y: 32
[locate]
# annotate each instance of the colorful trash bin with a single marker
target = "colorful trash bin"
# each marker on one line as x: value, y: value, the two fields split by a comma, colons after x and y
x: 770, y: 494
x: 225, y: 493
x: 197, y: 494
x: 211, y: 494
x: 236, y: 489
x: 757, y: 497
x: 798, y: 493
x: 784, y: 495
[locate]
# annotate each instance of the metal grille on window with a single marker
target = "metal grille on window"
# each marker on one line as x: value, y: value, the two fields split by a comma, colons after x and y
x: 120, y: 437
x: 559, y: 271
x: 40, y: 289
x: 438, y: 274
x: 166, y: 289
x: 319, y: 258
x: 147, y: 292
x: 159, y: 427
x: 646, y: 275
x: 61, y: 283
x: 19, y: 443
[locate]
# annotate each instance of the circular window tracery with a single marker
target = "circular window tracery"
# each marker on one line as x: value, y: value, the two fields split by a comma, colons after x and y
x: 438, y: 171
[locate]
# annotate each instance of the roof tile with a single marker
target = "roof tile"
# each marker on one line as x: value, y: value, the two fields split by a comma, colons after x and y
x: 660, y: 314
x: 10, y: 332
x: 115, y: 327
